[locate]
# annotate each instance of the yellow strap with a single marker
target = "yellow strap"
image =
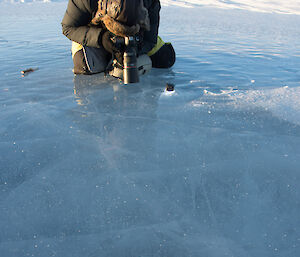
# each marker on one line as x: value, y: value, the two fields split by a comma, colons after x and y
x: 158, y: 45
x: 75, y: 48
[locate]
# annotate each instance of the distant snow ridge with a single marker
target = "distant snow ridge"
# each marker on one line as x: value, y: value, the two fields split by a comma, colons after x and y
x: 31, y: 1
x: 269, y: 6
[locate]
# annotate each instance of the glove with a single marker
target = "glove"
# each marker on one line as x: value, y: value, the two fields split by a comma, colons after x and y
x: 112, y: 47
x: 107, y: 43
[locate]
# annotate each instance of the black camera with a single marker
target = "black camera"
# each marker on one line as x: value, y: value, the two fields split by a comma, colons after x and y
x: 130, y: 71
x: 129, y: 47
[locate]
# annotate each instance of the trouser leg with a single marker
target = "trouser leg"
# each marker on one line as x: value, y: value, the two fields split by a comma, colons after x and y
x: 80, y: 66
x: 89, y: 60
x: 165, y: 57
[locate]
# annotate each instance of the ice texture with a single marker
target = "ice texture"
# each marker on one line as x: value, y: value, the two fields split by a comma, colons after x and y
x: 90, y: 167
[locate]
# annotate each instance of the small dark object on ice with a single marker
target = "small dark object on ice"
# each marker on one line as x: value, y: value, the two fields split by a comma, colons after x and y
x: 170, y: 87
x: 25, y: 72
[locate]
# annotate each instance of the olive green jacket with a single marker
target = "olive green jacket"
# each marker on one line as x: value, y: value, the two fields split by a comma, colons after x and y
x: 76, y: 23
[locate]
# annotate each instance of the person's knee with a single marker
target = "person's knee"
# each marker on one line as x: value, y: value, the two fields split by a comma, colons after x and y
x: 165, y: 57
x: 80, y: 66
x: 90, y: 60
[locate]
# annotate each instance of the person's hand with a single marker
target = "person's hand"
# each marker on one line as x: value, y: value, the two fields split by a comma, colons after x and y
x: 112, y: 47
x: 107, y: 42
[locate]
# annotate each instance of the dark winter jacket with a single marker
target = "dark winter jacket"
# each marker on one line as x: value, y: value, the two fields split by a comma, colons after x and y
x: 76, y: 23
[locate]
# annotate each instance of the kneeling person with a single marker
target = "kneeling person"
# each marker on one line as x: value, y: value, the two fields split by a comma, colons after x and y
x: 94, y: 26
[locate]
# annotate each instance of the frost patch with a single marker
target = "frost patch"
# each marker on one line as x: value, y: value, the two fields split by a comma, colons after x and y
x: 283, y: 102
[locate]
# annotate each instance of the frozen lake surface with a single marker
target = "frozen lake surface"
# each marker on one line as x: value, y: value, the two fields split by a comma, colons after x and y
x: 90, y: 167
